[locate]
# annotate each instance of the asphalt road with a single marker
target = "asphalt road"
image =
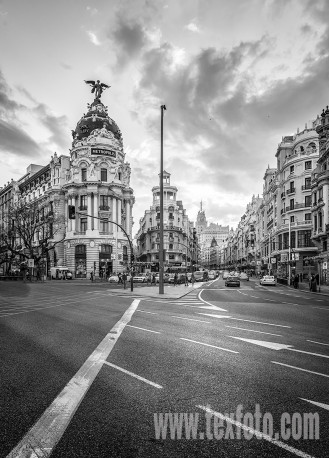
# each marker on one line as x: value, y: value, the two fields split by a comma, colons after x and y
x: 87, y: 371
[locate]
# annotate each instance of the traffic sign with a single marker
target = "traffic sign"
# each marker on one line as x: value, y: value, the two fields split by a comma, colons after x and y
x: 30, y: 262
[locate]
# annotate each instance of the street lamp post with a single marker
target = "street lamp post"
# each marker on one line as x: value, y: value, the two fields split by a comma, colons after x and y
x: 161, y: 284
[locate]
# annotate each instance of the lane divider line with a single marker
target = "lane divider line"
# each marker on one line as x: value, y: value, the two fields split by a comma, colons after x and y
x: 319, y: 343
x: 300, y: 369
x: 138, y: 377
x: 252, y: 330
x: 208, y: 345
x: 143, y: 329
x: 50, y: 427
x: 190, y: 319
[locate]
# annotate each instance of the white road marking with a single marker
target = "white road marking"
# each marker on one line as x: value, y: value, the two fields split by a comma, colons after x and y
x: 264, y: 343
x: 322, y: 308
x: 208, y: 345
x: 144, y: 311
x: 133, y: 375
x: 190, y: 319
x: 50, y: 427
x: 319, y: 343
x: 309, y: 353
x: 300, y: 369
x: 143, y: 329
x: 215, y: 307
x: 251, y: 330
x: 319, y: 404
x: 241, y: 319
x: 258, y: 434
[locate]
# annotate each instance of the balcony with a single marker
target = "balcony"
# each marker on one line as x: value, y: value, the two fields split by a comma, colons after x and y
x: 104, y: 208
x: 283, y: 211
x: 306, y: 186
x: 283, y: 195
x: 291, y: 191
x: 79, y: 232
x: 83, y: 207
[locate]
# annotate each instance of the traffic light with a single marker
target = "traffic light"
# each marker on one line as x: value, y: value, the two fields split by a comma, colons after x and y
x: 71, y: 212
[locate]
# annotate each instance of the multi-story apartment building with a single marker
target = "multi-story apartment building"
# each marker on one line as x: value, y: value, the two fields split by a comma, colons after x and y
x: 179, y: 242
x: 320, y: 199
x: 96, y: 180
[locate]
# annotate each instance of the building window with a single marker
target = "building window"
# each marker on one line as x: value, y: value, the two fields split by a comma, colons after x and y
x: 325, y: 245
x: 83, y: 203
x: 307, y: 182
x: 315, y: 223
x: 171, y: 246
x: 292, y: 219
x: 103, y: 202
x: 308, y: 201
x: 103, y: 174
x: 308, y: 216
x: 104, y: 226
x: 171, y: 256
x: 80, y: 249
x: 292, y: 169
x: 106, y: 249
x: 83, y: 224
x: 119, y: 176
x: 292, y: 204
x: 83, y: 174
x: 321, y: 193
x: 308, y: 165
x: 304, y: 239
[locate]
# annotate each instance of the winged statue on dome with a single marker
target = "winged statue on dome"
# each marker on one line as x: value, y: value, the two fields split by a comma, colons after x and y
x: 97, y: 87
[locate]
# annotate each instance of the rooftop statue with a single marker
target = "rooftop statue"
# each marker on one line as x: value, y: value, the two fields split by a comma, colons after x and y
x: 97, y: 87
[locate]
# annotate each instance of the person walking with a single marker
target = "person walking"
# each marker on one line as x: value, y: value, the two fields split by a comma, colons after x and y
x: 153, y: 278
x: 192, y: 279
x: 92, y: 276
x: 175, y: 279
x: 296, y: 281
x: 120, y: 279
x: 38, y: 274
x: 186, y: 279
x: 124, y: 279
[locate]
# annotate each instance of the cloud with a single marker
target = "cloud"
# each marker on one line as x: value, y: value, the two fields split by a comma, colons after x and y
x: 56, y: 125
x: 192, y: 27
x: 93, y: 38
x: 13, y: 140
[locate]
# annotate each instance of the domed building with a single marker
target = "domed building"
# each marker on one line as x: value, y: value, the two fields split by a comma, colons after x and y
x: 98, y: 185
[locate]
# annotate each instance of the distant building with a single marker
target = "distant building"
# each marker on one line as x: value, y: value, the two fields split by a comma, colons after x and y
x: 178, y: 231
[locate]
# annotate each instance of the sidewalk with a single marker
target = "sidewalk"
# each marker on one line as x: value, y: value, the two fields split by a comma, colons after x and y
x: 302, y: 286
x: 170, y: 291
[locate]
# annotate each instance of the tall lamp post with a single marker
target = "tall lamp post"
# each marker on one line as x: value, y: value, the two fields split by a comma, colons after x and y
x: 161, y: 284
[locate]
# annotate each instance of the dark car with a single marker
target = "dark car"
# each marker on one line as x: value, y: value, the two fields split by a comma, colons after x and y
x: 232, y: 281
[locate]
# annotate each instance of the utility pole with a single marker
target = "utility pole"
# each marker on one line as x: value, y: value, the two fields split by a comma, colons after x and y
x: 161, y: 285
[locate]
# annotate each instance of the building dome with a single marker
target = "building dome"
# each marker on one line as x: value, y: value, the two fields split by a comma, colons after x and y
x: 96, y: 118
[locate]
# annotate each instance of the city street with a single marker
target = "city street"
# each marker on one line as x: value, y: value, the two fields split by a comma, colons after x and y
x: 88, y: 369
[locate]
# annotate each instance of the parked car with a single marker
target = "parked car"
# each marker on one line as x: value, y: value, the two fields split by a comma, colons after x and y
x: 243, y: 276
x: 59, y: 271
x: 199, y: 275
x: 268, y: 280
x: 115, y: 278
x: 212, y: 275
x: 226, y: 274
x: 141, y: 278
x: 232, y: 281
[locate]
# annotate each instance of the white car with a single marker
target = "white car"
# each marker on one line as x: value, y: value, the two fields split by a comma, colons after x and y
x: 244, y: 276
x: 226, y: 274
x: 268, y: 280
x: 141, y: 278
x: 211, y: 275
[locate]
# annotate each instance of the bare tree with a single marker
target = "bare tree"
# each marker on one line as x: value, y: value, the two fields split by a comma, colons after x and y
x: 30, y: 231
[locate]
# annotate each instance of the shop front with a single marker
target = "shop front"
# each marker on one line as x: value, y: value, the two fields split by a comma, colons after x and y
x: 80, y: 261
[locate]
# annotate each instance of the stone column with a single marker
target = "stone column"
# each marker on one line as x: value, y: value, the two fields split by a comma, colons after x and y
x: 96, y: 205
x: 114, y: 214
x: 74, y: 201
x: 128, y: 217
x: 119, y: 207
x: 69, y: 221
x: 89, y: 211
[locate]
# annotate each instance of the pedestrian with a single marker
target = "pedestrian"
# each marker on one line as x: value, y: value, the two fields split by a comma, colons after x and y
x: 124, y: 279
x: 317, y: 278
x: 120, y: 278
x: 296, y: 281
x: 38, y: 275
x: 175, y: 279
x: 92, y: 276
x: 153, y: 278
x: 192, y: 279
x: 186, y: 280
x: 313, y: 284
x: 148, y: 279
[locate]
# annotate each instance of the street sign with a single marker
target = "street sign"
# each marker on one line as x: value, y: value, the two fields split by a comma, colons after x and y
x: 30, y: 263
x: 325, y: 265
x: 112, y: 256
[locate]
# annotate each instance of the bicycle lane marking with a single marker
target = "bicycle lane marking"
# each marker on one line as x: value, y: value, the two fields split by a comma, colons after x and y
x: 50, y: 427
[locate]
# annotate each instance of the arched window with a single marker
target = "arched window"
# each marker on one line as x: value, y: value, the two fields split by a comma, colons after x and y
x: 83, y: 167
x: 104, y: 172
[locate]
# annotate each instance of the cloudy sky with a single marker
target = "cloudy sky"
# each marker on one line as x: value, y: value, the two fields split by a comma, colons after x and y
x: 235, y: 75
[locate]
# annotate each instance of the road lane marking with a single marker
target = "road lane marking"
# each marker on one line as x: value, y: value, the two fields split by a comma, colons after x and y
x: 143, y: 329
x: 215, y: 307
x: 133, y: 375
x: 208, y: 345
x: 144, y: 311
x: 190, y: 319
x: 319, y: 343
x: 322, y: 308
x: 50, y: 427
x: 300, y: 369
x: 252, y: 330
x: 257, y: 433
x: 264, y: 343
x: 309, y: 353
x: 241, y: 319
x: 319, y: 404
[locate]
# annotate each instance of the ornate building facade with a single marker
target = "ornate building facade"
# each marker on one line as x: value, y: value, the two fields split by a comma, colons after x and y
x: 179, y: 243
x: 96, y: 180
